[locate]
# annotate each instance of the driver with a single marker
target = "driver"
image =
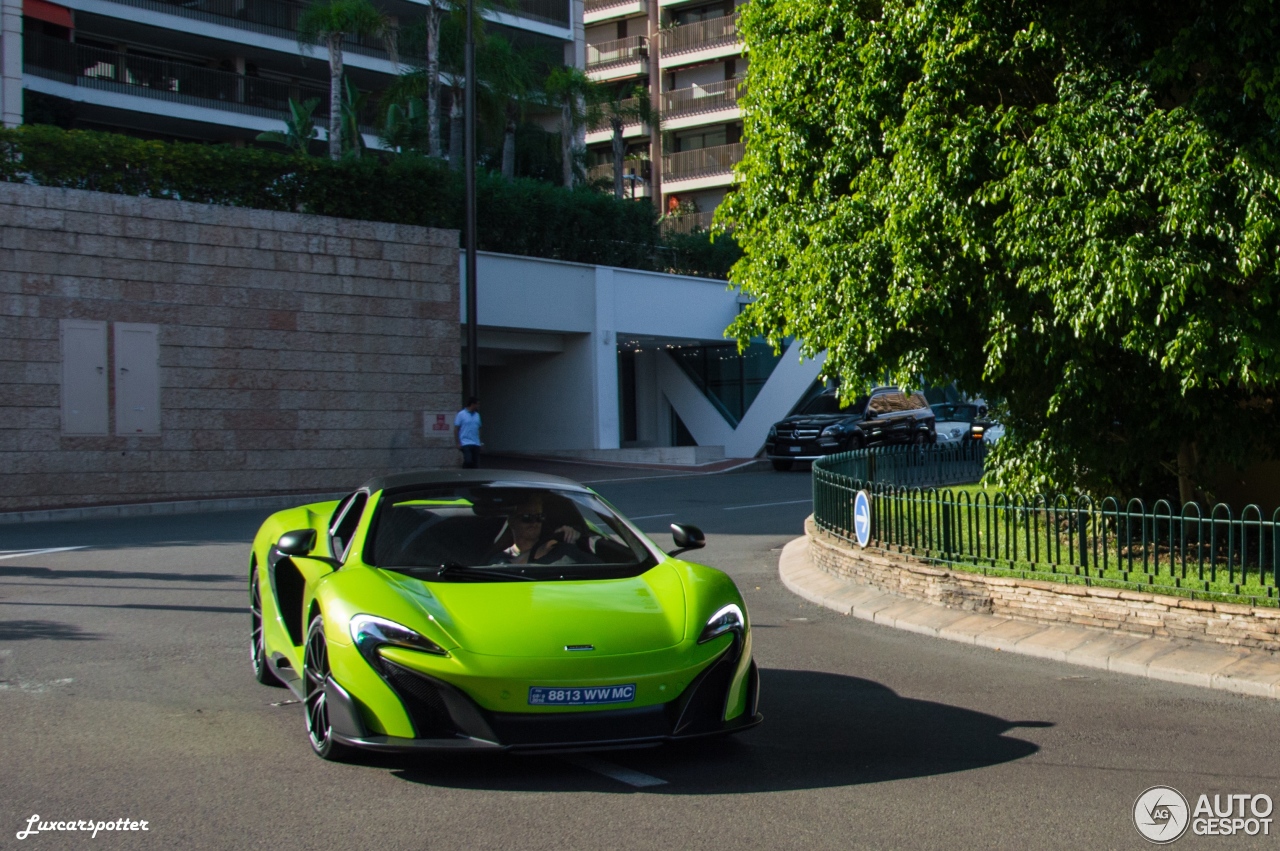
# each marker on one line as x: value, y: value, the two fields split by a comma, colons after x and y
x: 530, y: 545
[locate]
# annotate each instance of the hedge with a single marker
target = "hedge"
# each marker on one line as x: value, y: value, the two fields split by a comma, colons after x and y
x: 520, y: 216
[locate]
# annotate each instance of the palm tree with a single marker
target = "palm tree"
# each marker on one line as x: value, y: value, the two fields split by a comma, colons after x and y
x: 572, y: 90
x: 300, y: 127
x: 620, y: 107
x: 331, y: 21
x: 508, y: 81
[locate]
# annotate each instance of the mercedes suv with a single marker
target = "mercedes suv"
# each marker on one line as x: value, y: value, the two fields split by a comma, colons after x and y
x: 824, y: 427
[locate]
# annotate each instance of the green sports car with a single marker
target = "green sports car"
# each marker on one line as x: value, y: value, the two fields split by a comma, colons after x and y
x: 486, y: 610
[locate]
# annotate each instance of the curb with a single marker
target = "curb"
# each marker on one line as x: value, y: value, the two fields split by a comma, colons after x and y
x: 162, y: 509
x: 1240, y: 671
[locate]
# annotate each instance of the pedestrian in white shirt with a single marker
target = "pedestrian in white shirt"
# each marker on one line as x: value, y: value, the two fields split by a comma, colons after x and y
x: 466, y: 431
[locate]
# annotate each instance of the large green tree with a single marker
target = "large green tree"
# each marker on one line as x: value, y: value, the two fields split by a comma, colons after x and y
x: 1068, y: 206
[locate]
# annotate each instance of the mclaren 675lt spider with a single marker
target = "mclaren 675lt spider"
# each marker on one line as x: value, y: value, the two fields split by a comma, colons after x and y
x: 487, y: 610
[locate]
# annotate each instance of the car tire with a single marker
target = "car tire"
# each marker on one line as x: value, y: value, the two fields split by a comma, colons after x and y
x: 257, y: 644
x: 920, y: 440
x: 315, y: 670
x: 782, y: 465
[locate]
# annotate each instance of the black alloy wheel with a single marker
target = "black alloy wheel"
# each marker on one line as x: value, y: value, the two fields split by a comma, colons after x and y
x: 315, y: 671
x: 257, y: 645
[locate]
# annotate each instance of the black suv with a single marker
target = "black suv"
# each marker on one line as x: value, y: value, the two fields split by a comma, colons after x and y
x: 887, y: 416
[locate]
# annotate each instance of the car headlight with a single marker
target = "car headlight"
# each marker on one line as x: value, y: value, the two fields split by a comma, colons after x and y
x: 773, y: 431
x: 726, y: 619
x: 369, y: 633
x: 833, y: 430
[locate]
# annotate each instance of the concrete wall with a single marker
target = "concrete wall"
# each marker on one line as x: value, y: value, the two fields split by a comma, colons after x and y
x: 297, y: 353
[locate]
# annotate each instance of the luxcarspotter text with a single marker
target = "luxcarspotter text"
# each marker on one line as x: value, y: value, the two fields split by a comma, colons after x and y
x: 34, y: 825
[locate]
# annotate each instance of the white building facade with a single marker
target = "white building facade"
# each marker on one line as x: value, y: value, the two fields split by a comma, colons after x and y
x: 575, y: 357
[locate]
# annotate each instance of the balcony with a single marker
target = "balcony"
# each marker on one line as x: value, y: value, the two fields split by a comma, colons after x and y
x: 636, y: 175
x: 166, y: 80
x: 688, y: 223
x: 701, y: 41
x: 625, y: 57
x: 270, y: 17
x: 598, y: 11
x: 701, y: 168
x: 691, y: 106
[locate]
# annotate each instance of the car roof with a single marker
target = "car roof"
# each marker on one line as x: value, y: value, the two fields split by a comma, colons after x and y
x: 497, y: 477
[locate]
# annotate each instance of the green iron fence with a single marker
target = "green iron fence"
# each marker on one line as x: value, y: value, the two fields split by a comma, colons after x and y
x: 1191, y: 551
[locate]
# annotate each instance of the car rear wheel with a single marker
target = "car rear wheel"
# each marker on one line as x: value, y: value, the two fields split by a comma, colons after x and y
x: 782, y: 465
x: 257, y: 646
x: 315, y: 671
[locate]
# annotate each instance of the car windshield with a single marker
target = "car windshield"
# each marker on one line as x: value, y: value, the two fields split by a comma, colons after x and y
x: 956, y: 413
x: 500, y: 530
x: 828, y: 404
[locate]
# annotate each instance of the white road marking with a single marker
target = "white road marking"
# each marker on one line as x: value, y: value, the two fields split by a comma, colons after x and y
x: 768, y: 504
x: 651, y: 516
x: 615, y: 772
x: 23, y: 553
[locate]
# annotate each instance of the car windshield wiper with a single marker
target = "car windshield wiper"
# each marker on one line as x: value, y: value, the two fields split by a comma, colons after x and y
x: 457, y: 569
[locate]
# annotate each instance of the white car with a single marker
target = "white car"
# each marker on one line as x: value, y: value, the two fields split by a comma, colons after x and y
x: 960, y: 421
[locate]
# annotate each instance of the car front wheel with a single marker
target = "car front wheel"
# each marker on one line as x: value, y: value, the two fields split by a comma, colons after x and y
x: 315, y: 671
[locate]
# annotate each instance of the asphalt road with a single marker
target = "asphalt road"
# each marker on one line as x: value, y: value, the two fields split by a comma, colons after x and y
x: 125, y: 692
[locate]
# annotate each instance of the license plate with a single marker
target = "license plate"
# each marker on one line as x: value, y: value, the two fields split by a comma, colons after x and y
x: 586, y: 696
x: 795, y: 448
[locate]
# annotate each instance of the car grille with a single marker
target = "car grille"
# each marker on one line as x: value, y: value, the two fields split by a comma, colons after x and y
x: 572, y: 728
x: 421, y: 700
x: 799, y: 433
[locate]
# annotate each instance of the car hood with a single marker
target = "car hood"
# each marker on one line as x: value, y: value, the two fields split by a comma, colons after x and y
x: 540, y: 619
x: 818, y: 420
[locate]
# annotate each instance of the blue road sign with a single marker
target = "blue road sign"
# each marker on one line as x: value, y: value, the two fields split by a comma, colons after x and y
x: 862, y: 518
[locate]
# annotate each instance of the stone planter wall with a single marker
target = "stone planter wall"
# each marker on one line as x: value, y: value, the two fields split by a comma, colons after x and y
x: 1047, y: 602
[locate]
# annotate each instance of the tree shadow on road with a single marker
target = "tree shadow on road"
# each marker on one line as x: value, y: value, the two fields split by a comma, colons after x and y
x: 23, y: 630
x: 820, y: 730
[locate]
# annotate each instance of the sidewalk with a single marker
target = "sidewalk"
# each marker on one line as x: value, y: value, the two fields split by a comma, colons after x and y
x: 1196, y: 663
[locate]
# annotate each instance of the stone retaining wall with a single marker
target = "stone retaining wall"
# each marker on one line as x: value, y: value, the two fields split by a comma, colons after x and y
x: 1047, y: 602
x: 296, y: 353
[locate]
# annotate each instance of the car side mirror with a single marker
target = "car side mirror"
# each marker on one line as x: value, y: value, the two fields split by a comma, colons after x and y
x: 687, y: 538
x: 982, y: 410
x: 299, y: 542
x: 871, y: 415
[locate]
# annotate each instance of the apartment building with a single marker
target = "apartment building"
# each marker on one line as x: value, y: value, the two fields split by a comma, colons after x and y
x: 686, y: 57
x: 210, y: 70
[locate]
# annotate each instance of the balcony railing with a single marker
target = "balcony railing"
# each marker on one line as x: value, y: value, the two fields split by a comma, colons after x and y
x: 703, y: 162
x: 617, y: 52
x: 627, y: 105
x: 688, y: 223
x: 696, y: 98
x: 703, y: 34
x: 548, y: 11
x: 168, y: 80
x: 604, y: 5
x: 632, y: 171
x: 270, y: 17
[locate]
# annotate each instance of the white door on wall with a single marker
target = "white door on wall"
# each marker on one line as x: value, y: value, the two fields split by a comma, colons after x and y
x: 84, y: 376
x: 137, y: 378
